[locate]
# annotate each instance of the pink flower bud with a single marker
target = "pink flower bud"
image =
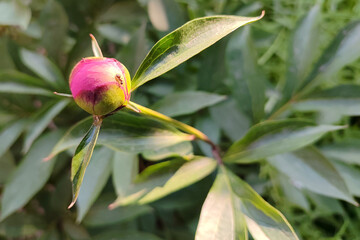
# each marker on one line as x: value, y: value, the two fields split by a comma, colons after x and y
x: 100, y: 85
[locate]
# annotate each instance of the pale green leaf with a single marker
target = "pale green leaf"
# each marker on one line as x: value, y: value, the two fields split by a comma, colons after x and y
x: 183, y: 149
x: 351, y: 176
x: 221, y: 218
x: 41, y: 121
x: 18, y: 88
x: 9, y: 135
x: 275, y: 137
x: 181, y: 103
x: 308, y: 168
x: 125, y: 169
x: 187, y: 174
x: 14, y: 13
x: 185, y: 42
x: 24, y: 183
x: 43, y: 67
x: 96, y: 176
x: 263, y: 221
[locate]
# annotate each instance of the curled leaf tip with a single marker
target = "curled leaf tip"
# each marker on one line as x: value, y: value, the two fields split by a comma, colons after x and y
x: 48, y: 158
x: 262, y: 14
x: 63, y: 94
x: 72, y: 204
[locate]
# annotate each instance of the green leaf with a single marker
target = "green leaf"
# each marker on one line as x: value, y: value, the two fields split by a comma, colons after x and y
x: 206, y: 125
x: 24, y: 184
x: 55, y: 30
x: 152, y: 177
x: 221, y: 217
x: 41, y: 121
x: 351, y: 176
x: 12, y: 76
x: 14, y: 13
x: 97, y: 174
x: 9, y: 135
x: 347, y: 152
x: 302, y: 51
x: 100, y: 215
x: 161, y: 179
x: 275, y: 137
x: 18, y: 88
x: 181, y: 103
x: 126, y: 132
x: 341, y: 100
x: 114, y: 33
x: 263, y: 220
x: 125, y: 235
x: 183, y: 149
x: 81, y: 159
x: 7, y: 165
x: 165, y: 15
x: 245, y: 73
x: 235, y: 124
x: 185, y: 42
x: 187, y: 174
x: 44, y: 68
x: 309, y: 169
x: 343, y: 50
x: 125, y: 168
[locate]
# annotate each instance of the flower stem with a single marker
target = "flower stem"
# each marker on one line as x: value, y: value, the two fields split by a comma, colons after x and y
x: 182, y: 126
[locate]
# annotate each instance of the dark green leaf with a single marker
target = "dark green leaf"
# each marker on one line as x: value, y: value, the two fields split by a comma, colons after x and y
x: 96, y: 176
x: 185, y: 42
x: 275, y: 137
x: 245, y: 73
x: 24, y: 184
x: 235, y: 124
x: 181, y: 103
x: 43, y: 67
x: 81, y: 159
x: 7, y: 165
x: 125, y: 235
x: 100, y: 215
x: 309, y: 169
x: 302, y: 51
x: 343, y: 50
x: 41, y: 121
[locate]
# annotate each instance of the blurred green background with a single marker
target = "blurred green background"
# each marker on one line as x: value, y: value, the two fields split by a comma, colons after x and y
x: 41, y: 40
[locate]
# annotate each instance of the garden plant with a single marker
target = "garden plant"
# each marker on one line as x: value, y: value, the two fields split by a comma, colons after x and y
x: 240, y: 132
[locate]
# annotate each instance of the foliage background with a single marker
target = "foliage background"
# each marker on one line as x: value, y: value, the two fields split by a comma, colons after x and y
x: 250, y: 67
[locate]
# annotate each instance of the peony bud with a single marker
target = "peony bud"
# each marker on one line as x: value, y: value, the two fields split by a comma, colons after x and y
x: 100, y: 85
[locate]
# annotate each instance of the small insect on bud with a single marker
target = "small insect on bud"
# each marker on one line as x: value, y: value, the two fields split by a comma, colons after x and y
x: 100, y: 85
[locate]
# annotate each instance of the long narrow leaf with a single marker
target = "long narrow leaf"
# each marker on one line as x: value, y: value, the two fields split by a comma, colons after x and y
x: 81, y: 159
x: 185, y: 42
